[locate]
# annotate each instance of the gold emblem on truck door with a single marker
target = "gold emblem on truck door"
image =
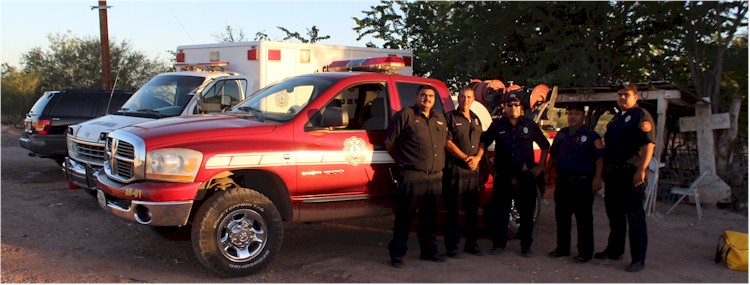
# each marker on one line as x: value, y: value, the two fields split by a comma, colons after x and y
x: 355, y: 150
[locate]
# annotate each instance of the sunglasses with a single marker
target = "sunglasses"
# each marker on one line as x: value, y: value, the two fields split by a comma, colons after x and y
x: 514, y: 104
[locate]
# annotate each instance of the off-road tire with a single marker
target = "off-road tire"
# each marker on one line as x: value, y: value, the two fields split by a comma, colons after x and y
x: 237, y: 232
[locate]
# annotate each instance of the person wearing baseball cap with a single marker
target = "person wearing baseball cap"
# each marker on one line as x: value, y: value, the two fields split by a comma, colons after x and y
x: 514, y: 136
x: 630, y: 141
x: 577, y: 154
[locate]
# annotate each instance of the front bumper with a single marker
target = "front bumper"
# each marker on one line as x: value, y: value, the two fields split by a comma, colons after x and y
x: 44, y: 145
x: 120, y: 200
x: 81, y: 174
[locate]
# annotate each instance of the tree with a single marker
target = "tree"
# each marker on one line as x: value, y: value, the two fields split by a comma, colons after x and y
x: 312, y: 34
x: 566, y: 43
x: 19, y: 92
x: 72, y: 61
x: 570, y: 44
x: 230, y: 36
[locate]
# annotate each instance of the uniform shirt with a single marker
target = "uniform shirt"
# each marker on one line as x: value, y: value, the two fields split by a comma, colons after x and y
x: 626, y: 133
x: 514, y: 144
x: 416, y: 142
x: 464, y: 133
x: 576, y: 153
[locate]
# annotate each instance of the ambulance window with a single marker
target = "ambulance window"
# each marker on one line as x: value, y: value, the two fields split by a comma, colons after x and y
x: 366, y: 105
x: 407, y: 93
x: 223, y: 94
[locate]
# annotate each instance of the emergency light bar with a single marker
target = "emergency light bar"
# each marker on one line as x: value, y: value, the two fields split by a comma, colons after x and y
x: 207, y: 66
x: 388, y: 64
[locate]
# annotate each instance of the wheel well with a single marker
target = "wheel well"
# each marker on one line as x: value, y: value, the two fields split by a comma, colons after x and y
x: 268, y: 184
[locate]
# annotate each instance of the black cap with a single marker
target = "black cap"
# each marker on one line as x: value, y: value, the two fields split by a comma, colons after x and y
x: 576, y: 106
x: 627, y: 85
x: 512, y: 97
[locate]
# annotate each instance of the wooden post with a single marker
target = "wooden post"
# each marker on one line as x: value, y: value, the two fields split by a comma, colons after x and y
x: 104, y: 35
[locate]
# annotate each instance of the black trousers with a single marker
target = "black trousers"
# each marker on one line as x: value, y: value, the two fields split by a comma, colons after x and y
x: 416, y: 196
x: 574, y: 196
x: 461, y: 188
x: 624, y: 204
x: 521, y: 188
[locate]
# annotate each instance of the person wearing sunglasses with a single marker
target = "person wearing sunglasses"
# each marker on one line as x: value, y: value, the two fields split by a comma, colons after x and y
x: 516, y: 173
x: 629, y: 145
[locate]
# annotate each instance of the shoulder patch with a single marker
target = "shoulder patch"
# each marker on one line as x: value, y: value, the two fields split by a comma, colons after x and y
x: 598, y: 144
x: 646, y: 126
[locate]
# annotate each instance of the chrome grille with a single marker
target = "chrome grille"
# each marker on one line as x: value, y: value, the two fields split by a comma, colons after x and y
x: 121, y: 157
x: 89, y: 152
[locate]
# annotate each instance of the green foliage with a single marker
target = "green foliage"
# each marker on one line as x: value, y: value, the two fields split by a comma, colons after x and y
x: 572, y: 44
x: 73, y: 61
x: 18, y: 92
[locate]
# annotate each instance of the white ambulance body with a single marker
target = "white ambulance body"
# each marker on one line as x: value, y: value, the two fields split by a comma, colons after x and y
x: 266, y: 62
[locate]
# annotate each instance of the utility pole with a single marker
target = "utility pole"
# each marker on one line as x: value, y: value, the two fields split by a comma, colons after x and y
x: 104, y: 32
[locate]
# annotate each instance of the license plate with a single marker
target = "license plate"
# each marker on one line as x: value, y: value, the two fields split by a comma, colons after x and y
x: 101, y: 199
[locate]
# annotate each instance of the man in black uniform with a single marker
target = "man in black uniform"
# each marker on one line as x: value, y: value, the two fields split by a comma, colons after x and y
x: 629, y: 146
x: 416, y: 138
x: 577, y: 153
x: 462, y: 180
x: 516, y: 171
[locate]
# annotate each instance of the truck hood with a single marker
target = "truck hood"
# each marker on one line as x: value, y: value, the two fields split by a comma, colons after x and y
x: 90, y: 130
x: 198, y: 127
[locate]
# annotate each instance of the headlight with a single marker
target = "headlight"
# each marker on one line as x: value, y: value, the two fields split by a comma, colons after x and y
x: 173, y: 164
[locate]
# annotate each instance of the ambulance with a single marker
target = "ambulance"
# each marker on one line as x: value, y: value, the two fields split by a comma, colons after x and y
x: 209, y: 78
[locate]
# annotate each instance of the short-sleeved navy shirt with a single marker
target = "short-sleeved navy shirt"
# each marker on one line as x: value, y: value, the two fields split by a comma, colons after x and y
x: 514, y: 145
x: 576, y: 153
x: 626, y: 133
x: 465, y: 134
x: 417, y: 142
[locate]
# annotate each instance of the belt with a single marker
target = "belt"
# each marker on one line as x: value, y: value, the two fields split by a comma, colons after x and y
x: 411, y: 168
x: 575, y: 177
x: 620, y: 166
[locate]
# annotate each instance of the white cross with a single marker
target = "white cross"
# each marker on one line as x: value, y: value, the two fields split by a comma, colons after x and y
x: 704, y: 123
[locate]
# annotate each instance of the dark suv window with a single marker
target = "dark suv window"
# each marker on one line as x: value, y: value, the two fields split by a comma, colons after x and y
x: 49, y: 118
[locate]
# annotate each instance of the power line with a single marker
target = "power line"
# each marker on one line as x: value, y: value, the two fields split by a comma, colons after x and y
x: 178, y: 21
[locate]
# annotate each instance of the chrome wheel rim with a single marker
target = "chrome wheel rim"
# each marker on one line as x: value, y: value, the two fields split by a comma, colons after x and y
x: 242, y: 235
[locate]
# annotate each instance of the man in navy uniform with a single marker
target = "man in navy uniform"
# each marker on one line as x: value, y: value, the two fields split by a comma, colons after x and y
x: 416, y: 138
x: 629, y: 146
x: 516, y: 172
x: 577, y: 153
x: 462, y: 183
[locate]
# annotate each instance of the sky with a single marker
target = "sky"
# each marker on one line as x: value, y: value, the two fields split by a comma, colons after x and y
x: 154, y: 27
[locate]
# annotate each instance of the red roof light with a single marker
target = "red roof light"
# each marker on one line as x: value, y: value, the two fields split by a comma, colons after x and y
x: 389, y: 64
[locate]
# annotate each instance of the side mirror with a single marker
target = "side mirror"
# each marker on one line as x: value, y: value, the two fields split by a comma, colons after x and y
x: 334, y: 117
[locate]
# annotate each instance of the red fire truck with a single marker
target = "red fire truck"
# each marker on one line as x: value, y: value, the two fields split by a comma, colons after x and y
x: 308, y: 148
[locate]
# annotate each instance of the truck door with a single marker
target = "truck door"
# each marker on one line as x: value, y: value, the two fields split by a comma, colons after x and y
x: 222, y: 94
x: 344, y: 171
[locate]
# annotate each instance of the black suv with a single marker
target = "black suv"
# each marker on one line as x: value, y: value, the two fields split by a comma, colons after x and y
x: 47, y: 122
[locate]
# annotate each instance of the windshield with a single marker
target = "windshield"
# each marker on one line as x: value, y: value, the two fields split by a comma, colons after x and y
x: 282, y: 101
x: 162, y: 96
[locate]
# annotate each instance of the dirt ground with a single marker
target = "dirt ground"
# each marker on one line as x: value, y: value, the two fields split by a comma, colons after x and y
x: 52, y: 234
